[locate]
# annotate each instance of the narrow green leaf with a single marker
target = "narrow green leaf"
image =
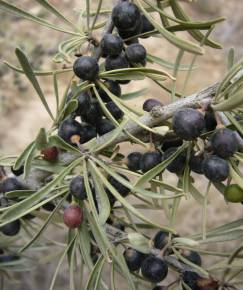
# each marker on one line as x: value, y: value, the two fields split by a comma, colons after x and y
x: 41, y: 140
x: 29, y: 157
x: 30, y: 75
x: 231, y: 103
x: 21, y: 159
x: 95, y: 274
x: 85, y: 245
x: 133, y: 95
x: 60, y: 143
x: 19, y: 193
x: 231, y: 58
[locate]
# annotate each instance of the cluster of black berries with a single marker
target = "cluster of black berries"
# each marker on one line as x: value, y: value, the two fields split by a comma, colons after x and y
x: 154, y: 268
x: 188, y: 124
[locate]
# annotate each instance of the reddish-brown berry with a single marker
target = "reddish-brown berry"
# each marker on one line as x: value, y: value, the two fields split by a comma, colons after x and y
x: 73, y: 216
x: 50, y: 154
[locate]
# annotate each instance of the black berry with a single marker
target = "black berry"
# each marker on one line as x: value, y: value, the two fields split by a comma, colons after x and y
x: 113, y: 87
x: 215, y: 168
x: 17, y: 172
x: 11, y: 184
x: 191, y: 279
x: 11, y: 229
x: 154, y: 269
x: 94, y: 114
x: 86, y: 68
x: 73, y: 216
x: 84, y: 103
x: 133, y: 161
x: 160, y: 240
x: 89, y: 132
x: 115, y: 111
x: 149, y: 160
x: 193, y: 257
x: 125, y: 15
x: 77, y: 188
x: 174, y: 142
x: 149, y: 104
x: 224, y: 143
x: 188, y: 123
x: 136, y: 54
x: 133, y: 259
x: 210, y: 121
x: 177, y: 165
x: 68, y: 128
x: 195, y: 163
x: 122, y: 189
x: 147, y: 26
x: 116, y: 62
x: 104, y: 126
x: 8, y: 258
x: 111, y: 45
x: 131, y: 34
x: 49, y: 206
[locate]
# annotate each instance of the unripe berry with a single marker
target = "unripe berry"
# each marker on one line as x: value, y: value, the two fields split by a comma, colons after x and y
x: 149, y: 104
x: 86, y: 68
x: 188, y: 123
x: 233, y: 193
x: 113, y: 87
x: 133, y: 259
x: 122, y: 189
x: 195, y: 163
x: 115, y: 111
x: 149, y: 160
x: 125, y: 15
x: 116, y: 62
x: 50, y: 154
x: 77, y: 188
x: 215, y: 168
x: 111, y: 45
x: 177, y: 165
x: 154, y: 269
x: 136, y: 54
x: 73, y: 216
x: 133, y: 161
x: 11, y: 229
x: 104, y: 126
x: 224, y: 143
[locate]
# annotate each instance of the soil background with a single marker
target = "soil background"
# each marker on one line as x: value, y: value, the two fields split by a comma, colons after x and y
x: 21, y: 113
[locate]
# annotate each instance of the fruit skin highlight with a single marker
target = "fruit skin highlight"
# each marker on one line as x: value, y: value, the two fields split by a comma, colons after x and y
x: 188, y: 123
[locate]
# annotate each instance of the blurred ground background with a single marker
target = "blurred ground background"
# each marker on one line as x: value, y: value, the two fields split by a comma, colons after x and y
x: 21, y: 113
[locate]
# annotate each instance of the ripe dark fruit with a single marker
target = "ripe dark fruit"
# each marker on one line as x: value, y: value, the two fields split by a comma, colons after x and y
x: 210, y: 121
x: 133, y: 161
x: 125, y: 15
x: 88, y: 133
x: 149, y: 104
x: 8, y: 258
x: 174, y: 142
x: 17, y: 172
x: 191, y: 279
x: 122, y: 189
x: 233, y: 193
x: 116, y: 62
x: 111, y: 44
x: 77, y: 188
x: 149, y: 160
x: 84, y: 102
x: 195, y: 163
x: 104, y: 126
x: 131, y: 34
x: 136, y: 54
x: 113, y: 87
x: 11, y: 184
x: 49, y: 206
x: 68, y: 128
x: 73, y: 216
x: 188, y: 123
x: 224, y: 143
x: 133, y: 259
x: 50, y: 154
x: 177, y: 165
x: 154, y: 269
x: 215, y: 168
x: 11, y: 229
x: 147, y: 26
x: 160, y: 240
x: 193, y: 257
x: 115, y: 111
x: 86, y: 68
x: 94, y: 114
